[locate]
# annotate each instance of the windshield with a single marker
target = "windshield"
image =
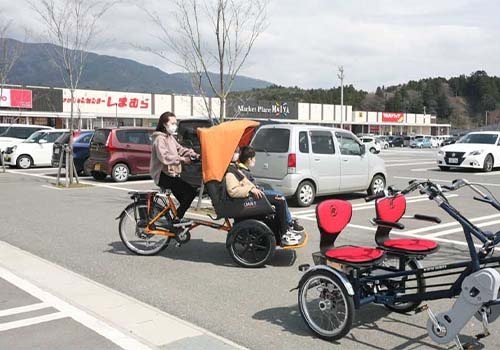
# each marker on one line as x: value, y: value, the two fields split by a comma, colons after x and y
x: 35, y: 137
x: 489, y: 139
x: 3, y: 129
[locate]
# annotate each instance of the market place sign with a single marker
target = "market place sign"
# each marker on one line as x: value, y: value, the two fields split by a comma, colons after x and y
x: 262, y: 109
x: 393, y: 117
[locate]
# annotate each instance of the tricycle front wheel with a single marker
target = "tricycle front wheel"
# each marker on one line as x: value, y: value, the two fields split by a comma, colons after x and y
x: 326, y: 306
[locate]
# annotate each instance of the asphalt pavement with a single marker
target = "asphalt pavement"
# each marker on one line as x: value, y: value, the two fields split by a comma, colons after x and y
x: 199, y: 283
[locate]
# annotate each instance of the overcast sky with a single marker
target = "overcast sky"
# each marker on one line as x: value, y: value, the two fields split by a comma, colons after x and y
x: 379, y: 42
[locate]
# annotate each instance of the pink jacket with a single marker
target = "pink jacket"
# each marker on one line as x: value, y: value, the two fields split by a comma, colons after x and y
x: 167, y: 155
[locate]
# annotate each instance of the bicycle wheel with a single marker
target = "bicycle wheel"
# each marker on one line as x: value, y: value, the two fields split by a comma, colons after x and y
x: 325, y: 305
x: 251, y: 243
x: 131, y: 227
x: 399, y: 285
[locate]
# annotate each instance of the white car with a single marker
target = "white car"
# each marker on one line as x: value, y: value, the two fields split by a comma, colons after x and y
x: 36, y: 150
x: 12, y: 134
x: 478, y: 150
x: 383, y: 142
x: 371, y: 144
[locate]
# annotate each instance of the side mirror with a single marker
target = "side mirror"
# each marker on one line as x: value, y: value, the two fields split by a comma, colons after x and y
x: 42, y: 141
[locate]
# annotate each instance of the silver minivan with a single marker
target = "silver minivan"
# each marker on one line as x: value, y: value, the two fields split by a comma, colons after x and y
x: 303, y: 161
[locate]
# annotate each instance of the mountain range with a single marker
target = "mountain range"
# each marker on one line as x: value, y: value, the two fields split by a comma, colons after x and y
x: 102, y: 72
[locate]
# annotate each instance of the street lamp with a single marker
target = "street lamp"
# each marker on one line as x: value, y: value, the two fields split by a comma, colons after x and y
x: 116, y: 113
x: 486, y: 119
x: 341, y: 77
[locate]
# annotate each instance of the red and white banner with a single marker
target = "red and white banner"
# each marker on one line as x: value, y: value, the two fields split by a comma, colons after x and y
x: 16, y: 98
x: 107, y: 102
x: 393, y: 117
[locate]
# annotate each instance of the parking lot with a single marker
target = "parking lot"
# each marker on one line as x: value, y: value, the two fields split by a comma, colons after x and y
x: 199, y: 282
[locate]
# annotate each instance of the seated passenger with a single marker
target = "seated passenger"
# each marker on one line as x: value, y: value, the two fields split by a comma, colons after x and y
x: 240, y: 184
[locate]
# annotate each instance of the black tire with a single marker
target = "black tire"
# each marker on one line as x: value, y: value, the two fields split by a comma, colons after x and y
x: 378, y: 184
x: 386, y: 146
x: 131, y: 228
x: 419, y: 283
x: 305, y: 194
x: 251, y: 243
x: 373, y: 150
x: 120, y: 172
x: 444, y: 168
x: 85, y: 170
x: 332, y: 296
x: 24, y: 161
x: 488, y: 163
x: 98, y: 175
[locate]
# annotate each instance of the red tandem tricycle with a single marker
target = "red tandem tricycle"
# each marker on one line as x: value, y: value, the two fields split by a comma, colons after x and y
x: 146, y: 228
x: 344, y: 278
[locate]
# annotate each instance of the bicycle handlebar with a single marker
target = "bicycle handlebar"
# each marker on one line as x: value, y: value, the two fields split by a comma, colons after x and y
x: 377, y: 195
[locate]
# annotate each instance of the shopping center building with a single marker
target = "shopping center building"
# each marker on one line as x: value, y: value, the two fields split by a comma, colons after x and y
x: 94, y: 108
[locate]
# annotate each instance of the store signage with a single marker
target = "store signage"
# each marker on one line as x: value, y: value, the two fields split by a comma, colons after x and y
x: 393, y: 117
x: 16, y: 98
x: 262, y: 109
x: 92, y: 101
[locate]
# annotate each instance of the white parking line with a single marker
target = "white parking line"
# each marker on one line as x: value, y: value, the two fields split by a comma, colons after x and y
x: 423, y: 230
x: 423, y: 169
x: 31, y: 321
x: 439, y: 180
x: 407, y: 164
x: 406, y: 160
x: 22, y: 309
x: 460, y: 229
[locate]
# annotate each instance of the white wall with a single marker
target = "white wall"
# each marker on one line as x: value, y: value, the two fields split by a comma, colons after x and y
x: 303, y: 111
x: 328, y: 113
x: 315, y: 112
x: 372, y: 117
x: 359, y: 117
x: 163, y: 103
x: 182, y: 106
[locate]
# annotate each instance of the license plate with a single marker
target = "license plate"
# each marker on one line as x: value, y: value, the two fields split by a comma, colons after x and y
x: 97, y: 167
x: 7, y: 158
x: 56, y: 151
x: 56, y: 164
x: 453, y: 160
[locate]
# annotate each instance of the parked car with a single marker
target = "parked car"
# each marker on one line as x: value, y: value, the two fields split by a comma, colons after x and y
x: 12, y: 134
x: 421, y: 143
x: 478, y: 150
x: 382, y: 141
x: 36, y: 150
x: 125, y: 151
x: 303, y: 161
x: 396, y: 141
x: 451, y: 140
x: 81, y: 144
x: 371, y: 144
x: 407, y: 140
x: 433, y: 141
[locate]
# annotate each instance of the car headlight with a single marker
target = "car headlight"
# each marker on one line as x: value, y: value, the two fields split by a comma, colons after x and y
x: 476, y: 153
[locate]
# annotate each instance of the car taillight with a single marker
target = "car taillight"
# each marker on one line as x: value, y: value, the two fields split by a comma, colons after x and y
x: 292, y: 163
x: 109, y: 142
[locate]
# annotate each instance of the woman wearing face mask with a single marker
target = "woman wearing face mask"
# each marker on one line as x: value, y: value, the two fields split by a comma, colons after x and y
x: 167, y: 157
x: 289, y: 228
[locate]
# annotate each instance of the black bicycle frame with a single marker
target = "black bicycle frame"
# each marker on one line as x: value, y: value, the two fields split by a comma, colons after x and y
x: 470, y: 266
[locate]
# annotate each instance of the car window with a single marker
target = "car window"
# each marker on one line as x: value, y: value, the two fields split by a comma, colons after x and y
x: 52, y: 136
x: 100, y: 136
x: 322, y: 142
x: 187, y: 133
x: 273, y: 140
x: 479, y: 138
x: 63, y: 139
x: 138, y: 137
x: 348, y: 145
x: 85, y: 138
x: 303, y: 142
x: 35, y: 137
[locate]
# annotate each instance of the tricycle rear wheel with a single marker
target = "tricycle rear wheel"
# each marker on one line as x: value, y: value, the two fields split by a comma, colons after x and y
x: 326, y: 306
x: 251, y: 243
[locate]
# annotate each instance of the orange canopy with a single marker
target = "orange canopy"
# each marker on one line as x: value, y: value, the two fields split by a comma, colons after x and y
x: 218, y: 144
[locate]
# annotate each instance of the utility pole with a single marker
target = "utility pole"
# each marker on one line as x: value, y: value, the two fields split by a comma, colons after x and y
x: 486, y: 118
x: 341, y: 77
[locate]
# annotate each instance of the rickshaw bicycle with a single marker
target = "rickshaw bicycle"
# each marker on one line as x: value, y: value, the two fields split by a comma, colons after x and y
x: 342, y: 282
x: 146, y: 227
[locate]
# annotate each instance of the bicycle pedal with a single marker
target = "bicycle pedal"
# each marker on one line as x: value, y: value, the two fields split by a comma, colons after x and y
x: 421, y: 309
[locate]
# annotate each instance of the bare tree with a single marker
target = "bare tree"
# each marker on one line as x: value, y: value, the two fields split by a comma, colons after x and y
x: 10, y: 50
x: 71, y: 27
x: 210, y: 36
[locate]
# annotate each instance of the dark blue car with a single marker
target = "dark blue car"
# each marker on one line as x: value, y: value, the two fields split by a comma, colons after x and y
x: 81, y: 145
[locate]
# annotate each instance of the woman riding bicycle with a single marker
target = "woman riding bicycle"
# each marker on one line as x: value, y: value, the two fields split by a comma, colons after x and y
x: 167, y: 157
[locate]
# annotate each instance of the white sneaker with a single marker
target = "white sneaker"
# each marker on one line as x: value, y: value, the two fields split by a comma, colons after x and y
x: 290, y: 238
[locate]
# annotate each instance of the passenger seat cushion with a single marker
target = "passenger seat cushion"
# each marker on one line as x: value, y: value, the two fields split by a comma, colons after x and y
x: 355, y: 254
x: 411, y: 244
x: 391, y: 209
x: 333, y: 215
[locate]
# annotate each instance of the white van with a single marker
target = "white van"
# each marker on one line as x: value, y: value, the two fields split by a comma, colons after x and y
x: 36, y: 150
x: 12, y: 134
x: 303, y: 161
